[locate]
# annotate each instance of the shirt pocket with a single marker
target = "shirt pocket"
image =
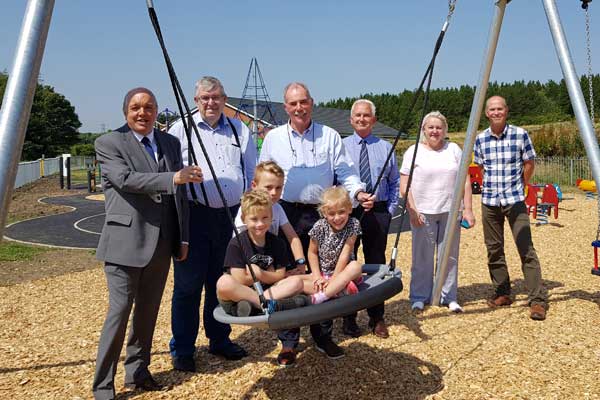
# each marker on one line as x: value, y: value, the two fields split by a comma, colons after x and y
x: 233, y: 155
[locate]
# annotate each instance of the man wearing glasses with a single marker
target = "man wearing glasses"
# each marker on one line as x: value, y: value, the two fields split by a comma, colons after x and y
x: 313, y: 157
x: 232, y: 154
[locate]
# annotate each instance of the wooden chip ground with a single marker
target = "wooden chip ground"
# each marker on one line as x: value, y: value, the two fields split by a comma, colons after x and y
x: 50, y: 330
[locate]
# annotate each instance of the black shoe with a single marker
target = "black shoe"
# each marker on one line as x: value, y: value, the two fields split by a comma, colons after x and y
x: 300, y: 300
x: 148, y: 384
x: 350, y: 327
x: 328, y: 347
x: 184, y: 363
x: 230, y: 351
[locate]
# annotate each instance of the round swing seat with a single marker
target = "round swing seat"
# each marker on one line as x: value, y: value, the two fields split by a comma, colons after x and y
x: 379, y: 284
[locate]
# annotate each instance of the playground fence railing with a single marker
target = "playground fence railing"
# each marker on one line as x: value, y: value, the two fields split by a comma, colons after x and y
x: 30, y: 171
x: 560, y: 170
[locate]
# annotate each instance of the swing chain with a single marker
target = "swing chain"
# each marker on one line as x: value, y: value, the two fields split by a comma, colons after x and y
x: 451, y: 7
x: 589, y: 59
x: 584, y: 4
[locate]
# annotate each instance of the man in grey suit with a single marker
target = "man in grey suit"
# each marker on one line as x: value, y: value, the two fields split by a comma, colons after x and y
x: 146, y: 223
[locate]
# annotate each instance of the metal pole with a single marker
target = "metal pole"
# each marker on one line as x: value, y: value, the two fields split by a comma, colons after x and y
x: 255, y: 107
x: 18, y: 96
x: 584, y: 123
x: 458, y: 193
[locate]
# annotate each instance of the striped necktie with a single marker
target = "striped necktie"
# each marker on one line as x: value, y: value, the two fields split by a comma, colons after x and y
x: 365, y: 169
x: 148, y: 147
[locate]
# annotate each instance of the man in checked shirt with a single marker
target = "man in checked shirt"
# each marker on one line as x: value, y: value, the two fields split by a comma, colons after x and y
x: 506, y: 156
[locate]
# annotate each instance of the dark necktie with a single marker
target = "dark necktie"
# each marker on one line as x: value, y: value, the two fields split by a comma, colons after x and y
x: 148, y: 147
x: 365, y: 169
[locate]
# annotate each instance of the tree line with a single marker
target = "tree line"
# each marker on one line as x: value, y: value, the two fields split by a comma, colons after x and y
x: 53, y: 123
x: 530, y: 103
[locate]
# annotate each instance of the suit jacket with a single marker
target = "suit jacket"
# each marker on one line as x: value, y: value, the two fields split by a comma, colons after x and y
x: 137, y: 195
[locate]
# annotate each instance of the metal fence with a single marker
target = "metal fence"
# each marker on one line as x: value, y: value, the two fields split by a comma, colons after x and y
x: 30, y: 171
x: 562, y: 171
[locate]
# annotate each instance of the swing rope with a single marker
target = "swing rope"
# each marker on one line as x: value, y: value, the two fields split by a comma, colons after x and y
x: 180, y: 97
x: 404, y: 127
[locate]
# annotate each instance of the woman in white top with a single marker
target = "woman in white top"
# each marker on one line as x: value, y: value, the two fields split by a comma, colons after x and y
x: 429, y: 202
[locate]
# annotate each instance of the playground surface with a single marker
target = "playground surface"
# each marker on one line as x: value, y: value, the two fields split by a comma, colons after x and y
x: 51, y: 327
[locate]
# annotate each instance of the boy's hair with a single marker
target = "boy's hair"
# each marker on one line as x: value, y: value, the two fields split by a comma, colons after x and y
x: 268, y: 166
x: 336, y: 195
x: 254, y: 200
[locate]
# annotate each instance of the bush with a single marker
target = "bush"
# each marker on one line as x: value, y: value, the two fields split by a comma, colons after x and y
x: 83, y: 149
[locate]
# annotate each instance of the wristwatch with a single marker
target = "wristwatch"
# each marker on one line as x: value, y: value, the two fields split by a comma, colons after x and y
x: 301, y: 261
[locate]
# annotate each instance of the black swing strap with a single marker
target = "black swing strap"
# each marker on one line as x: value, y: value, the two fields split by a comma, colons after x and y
x: 180, y: 96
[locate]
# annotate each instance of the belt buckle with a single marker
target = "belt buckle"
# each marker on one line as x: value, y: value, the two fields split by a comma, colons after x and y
x: 157, y: 198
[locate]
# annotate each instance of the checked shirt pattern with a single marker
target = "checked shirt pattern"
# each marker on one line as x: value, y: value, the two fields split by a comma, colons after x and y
x: 502, y: 159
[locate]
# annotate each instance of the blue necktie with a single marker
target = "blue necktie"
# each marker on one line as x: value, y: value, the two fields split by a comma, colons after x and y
x: 148, y: 147
x: 365, y: 169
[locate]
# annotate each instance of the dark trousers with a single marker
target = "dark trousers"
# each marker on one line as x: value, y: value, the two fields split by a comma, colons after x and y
x: 375, y: 225
x: 302, y: 217
x: 128, y: 286
x: 210, y: 233
x: 492, y: 218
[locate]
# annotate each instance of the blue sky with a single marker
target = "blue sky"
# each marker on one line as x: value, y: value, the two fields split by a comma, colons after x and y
x: 97, y: 50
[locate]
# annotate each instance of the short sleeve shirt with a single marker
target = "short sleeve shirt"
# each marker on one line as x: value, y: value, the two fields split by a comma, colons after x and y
x: 330, y: 242
x: 502, y: 160
x: 434, y: 176
x: 274, y: 247
x: 279, y: 219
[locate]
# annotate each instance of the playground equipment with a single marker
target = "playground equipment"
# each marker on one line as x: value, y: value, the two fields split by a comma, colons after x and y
x: 588, y: 187
x: 549, y: 202
x: 595, y: 269
x: 476, y: 178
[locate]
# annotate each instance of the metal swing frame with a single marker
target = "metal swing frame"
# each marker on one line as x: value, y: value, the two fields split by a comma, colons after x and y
x: 584, y: 122
x: 20, y: 88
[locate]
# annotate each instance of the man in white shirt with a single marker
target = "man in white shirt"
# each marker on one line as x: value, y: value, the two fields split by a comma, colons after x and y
x: 232, y: 154
x: 312, y: 156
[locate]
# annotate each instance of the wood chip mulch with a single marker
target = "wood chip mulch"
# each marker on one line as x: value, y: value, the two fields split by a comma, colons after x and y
x: 50, y: 330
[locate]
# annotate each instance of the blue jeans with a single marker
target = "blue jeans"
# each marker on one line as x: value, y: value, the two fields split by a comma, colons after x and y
x: 210, y: 233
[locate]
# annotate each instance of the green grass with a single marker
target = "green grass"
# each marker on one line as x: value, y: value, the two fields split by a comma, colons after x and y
x: 80, y: 175
x: 11, y: 251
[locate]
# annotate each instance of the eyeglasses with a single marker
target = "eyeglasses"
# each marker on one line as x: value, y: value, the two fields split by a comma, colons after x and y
x: 207, y: 99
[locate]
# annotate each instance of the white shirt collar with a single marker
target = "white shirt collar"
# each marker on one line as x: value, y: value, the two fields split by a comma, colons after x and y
x: 139, y: 136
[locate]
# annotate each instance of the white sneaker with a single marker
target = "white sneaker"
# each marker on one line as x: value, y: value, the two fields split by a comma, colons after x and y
x: 455, y: 307
x: 417, y: 306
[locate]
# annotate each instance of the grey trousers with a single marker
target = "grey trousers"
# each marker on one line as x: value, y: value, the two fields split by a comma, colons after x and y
x: 492, y: 218
x: 128, y: 286
x: 426, y: 241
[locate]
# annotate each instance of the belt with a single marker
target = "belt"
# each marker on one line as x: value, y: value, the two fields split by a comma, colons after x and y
x: 200, y: 205
x: 378, y: 206
x: 300, y: 206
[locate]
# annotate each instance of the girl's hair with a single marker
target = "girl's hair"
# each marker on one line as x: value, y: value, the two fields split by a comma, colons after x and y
x: 270, y: 167
x: 255, y: 200
x: 433, y: 114
x: 335, y: 195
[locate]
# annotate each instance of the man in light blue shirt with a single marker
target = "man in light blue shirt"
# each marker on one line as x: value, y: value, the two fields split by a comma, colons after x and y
x: 368, y: 152
x: 311, y: 155
x: 232, y: 154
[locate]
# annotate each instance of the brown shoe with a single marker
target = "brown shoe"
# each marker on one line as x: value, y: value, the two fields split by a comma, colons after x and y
x: 286, y: 357
x: 537, y: 312
x: 499, y: 301
x: 380, y: 329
